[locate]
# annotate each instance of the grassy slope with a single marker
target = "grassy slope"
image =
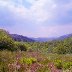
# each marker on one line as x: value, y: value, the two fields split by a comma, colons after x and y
x: 15, y: 61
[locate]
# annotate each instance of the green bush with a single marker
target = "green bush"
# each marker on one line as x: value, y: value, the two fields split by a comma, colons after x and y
x: 58, y: 64
x: 6, y: 42
x: 20, y: 46
x: 60, y: 49
x: 67, y: 65
x: 28, y: 61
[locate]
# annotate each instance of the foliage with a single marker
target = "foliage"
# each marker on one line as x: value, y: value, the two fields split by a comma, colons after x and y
x: 67, y: 65
x: 43, y: 69
x: 58, y: 64
x: 21, y: 61
x: 62, y: 64
x: 28, y: 61
x: 58, y: 46
x: 6, y: 41
x: 20, y: 46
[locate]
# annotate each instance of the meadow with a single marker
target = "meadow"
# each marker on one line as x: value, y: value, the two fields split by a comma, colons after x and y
x: 21, y: 61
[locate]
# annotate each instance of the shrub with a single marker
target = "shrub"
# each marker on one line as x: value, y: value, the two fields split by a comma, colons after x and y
x: 20, y: 46
x: 28, y: 61
x: 67, y: 65
x: 58, y: 64
x: 60, y: 50
x: 6, y: 41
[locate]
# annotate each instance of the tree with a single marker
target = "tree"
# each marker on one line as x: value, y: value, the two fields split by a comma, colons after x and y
x: 6, y: 42
x: 21, y: 46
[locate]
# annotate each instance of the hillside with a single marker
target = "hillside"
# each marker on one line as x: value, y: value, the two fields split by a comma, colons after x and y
x: 45, y: 39
x: 17, y: 37
x: 54, y: 46
x: 40, y: 39
x: 64, y: 37
x: 20, y: 38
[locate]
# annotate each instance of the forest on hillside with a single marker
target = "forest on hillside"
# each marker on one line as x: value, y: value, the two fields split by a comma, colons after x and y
x: 31, y: 56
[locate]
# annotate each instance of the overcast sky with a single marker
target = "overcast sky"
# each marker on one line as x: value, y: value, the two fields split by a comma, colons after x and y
x: 36, y: 18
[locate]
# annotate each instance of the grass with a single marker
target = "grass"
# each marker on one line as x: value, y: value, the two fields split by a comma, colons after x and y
x: 20, y: 61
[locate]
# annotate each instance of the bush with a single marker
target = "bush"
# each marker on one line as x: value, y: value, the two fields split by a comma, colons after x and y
x: 59, y: 50
x: 67, y: 65
x: 28, y: 61
x: 20, y: 46
x: 6, y: 41
x: 58, y: 64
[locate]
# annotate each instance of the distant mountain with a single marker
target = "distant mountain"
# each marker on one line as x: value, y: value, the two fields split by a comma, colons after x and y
x: 43, y: 39
x: 51, y: 39
x: 64, y: 37
x: 17, y: 37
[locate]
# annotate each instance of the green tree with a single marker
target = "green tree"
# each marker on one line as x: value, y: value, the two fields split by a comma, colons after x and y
x: 6, y: 42
x: 21, y: 46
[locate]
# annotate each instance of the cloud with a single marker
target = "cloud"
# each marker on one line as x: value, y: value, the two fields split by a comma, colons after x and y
x: 54, y: 31
x: 36, y: 17
x: 31, y: 1
x: 37, y: 12
x: 40, y: 10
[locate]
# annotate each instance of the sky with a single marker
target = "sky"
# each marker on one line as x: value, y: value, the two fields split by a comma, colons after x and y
x: 36, y: 18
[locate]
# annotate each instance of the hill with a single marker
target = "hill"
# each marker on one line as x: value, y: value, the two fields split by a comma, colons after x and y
x: 22, y: 38
x: 40, y: 39
x: 64, y: 37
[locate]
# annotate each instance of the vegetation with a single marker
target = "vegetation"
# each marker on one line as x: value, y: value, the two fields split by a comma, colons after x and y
x: 34, y: 61
x: 7, y: 43
x: 20, y: 46
x: 53, y: 56
x: 59, y: 46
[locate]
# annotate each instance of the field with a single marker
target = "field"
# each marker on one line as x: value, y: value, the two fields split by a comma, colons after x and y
x: 20, y: 61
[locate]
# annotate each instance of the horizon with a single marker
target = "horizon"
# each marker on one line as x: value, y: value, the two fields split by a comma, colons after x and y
x: 37, y: 37
x: 36, y: 18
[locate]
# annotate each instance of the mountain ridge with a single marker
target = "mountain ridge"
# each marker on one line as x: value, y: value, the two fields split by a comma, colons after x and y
x: 22, y: 38
x: 17, y: 37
